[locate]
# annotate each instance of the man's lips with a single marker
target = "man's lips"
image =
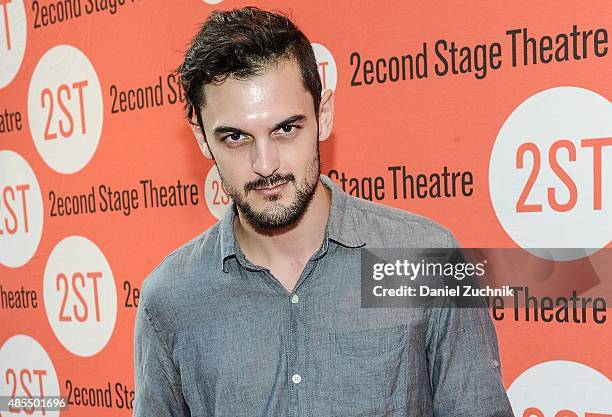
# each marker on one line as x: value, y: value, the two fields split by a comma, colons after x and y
x: 271, y: 190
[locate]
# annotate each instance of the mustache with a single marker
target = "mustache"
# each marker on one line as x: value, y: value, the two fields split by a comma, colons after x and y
x: 268, y: 182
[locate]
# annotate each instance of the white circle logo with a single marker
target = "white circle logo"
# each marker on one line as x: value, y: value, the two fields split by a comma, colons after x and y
x: 65, y: 109
x: 27, y: 371
x: 21, y: 210
x: 217, y: 199
x: 212, y: 1
x: 80, y: 296
x: 327, y: 66
x: 550, y: 171
x: 561, y: 389
x: 13, y: 34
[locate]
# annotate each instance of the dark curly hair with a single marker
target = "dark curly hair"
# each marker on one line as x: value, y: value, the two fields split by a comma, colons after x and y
x: 241, y: 43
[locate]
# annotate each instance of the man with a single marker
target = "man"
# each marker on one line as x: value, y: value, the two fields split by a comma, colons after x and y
x: 260, y: 315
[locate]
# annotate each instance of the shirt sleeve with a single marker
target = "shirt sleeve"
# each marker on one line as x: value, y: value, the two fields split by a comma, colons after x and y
x: 157, y: 382
x: 463, y: 363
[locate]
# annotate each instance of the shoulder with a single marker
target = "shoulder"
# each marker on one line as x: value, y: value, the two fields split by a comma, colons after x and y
x: 384, y: 226
x: 177, y: 272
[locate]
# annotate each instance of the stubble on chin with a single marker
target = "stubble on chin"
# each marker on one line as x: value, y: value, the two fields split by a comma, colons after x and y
x: 278, y: 216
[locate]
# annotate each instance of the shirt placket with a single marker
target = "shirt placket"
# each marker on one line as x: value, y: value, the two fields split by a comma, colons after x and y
x: 295, y: 341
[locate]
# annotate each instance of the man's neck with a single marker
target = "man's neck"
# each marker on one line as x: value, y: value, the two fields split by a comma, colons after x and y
x: 295, y: 243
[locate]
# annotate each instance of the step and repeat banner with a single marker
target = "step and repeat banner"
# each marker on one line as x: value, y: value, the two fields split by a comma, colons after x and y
x: 494, y: 119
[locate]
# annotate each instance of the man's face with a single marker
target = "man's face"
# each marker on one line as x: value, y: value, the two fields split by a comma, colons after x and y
x: 262, y: 133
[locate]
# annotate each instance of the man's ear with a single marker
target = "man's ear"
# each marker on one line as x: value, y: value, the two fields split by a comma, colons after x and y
x: 199, y: 135
x: 326, y: 115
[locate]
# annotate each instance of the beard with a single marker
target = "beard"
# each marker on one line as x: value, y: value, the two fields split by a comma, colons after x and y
x: 277, y: 215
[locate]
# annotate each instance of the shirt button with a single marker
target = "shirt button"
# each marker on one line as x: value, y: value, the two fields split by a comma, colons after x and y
x: 295, y: 298
x: 296, y: 378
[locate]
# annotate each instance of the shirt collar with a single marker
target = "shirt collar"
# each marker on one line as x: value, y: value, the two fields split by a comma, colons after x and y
x: 342, y: 224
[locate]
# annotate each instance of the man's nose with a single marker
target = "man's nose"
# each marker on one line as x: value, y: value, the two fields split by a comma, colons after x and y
x: 264, y: 154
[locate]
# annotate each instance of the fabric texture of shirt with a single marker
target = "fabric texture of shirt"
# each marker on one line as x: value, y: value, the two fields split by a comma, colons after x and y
x: 216, y: 335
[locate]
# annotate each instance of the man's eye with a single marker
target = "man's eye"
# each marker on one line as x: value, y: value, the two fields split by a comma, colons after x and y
x: 234, y: 137
x: 288, y: 128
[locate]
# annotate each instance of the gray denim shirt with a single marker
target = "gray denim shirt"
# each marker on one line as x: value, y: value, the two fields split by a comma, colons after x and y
x: 216, y: 335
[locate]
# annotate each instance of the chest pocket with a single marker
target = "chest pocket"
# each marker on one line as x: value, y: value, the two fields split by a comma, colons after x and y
x: 368, y: 372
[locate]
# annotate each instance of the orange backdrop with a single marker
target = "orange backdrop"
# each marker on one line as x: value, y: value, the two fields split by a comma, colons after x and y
x: 89, y: 104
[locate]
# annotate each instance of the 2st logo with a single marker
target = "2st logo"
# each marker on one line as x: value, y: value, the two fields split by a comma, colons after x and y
x: 21, y: 210
x: 80, y: 296
x: 12, y: 222
x: 216, y: 198
x: 65, y: 109
x: 220, y: 197
x: 536, y: 412
x: 7, y: 28
x: 13, y: 33
x: 66, y: 127
x: 79, y: 283
x: 327, y: 66
x: 561, y: 389
x: 27, y: 376
x: 548, y: 172
x: 529, y: 147
x: 24, y: 382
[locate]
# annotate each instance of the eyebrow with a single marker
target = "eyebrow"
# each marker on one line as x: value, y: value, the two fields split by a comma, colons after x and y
x: 228, y: 129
